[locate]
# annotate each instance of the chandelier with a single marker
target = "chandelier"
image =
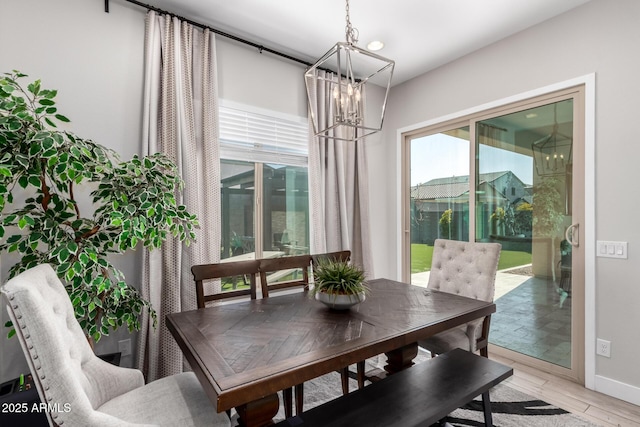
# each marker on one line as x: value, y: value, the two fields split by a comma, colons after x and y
x: 552, y: 153
x: 344, y: 72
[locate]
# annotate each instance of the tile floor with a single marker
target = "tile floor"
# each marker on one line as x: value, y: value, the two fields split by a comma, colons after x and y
x: 531, y: 319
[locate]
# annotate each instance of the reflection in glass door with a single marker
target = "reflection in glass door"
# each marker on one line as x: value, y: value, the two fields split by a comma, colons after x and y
x: 523, y: 201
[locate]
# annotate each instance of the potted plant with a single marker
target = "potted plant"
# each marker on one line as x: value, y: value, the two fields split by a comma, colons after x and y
x: 42, y: 219
x: 548, y: 215
x: 338, y: 284
x: 445, y: 224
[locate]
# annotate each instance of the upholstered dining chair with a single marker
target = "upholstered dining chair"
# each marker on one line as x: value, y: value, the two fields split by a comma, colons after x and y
x: 68, y: 375
x: 467, y: 269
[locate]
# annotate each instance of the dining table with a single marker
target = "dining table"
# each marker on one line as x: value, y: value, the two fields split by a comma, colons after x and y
x: 244, y: 353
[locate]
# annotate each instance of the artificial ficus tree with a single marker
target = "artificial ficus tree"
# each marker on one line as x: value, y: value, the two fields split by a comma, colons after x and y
x: 132, y: 203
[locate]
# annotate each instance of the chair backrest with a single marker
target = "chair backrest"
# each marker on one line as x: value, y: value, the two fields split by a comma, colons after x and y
x: 284, y: 272
x: 65, y: 370
x: 234, y: 272
x: 465, y: 268
x: 336, y: 256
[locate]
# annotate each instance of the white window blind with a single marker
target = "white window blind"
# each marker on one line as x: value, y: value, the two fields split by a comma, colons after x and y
x: 261, y: 138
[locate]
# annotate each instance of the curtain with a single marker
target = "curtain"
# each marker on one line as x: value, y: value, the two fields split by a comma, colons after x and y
x: 180, y: 119
x: 338, y: 186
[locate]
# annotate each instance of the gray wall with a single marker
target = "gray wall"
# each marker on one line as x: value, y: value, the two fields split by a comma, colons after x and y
x: 95, y: 61
x: 600, y: 37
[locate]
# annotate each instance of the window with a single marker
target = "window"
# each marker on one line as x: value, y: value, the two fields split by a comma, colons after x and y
x: 264, y: 184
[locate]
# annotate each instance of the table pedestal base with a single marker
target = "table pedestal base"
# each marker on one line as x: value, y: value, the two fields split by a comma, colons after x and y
x: 259, y: 412
x: 401, y: 358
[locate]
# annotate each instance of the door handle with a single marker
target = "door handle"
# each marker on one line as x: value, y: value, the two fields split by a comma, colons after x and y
x: 571, y: 235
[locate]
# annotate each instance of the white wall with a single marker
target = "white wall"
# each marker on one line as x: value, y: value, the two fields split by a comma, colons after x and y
x: 600, y: 37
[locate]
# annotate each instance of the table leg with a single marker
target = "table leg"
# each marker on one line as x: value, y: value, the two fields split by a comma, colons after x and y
x: 260, y: 412
x: 401, y: 358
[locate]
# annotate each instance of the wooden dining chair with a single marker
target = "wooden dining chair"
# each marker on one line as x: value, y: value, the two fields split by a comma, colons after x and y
x: 286, y: 273
x: 336, y: 256
x: 233, y: 271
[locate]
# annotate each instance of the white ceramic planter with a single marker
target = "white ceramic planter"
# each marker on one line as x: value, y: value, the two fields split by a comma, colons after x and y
x: 340, y: 302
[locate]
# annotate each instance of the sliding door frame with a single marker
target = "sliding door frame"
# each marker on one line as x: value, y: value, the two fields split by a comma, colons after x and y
x: 584, y: 366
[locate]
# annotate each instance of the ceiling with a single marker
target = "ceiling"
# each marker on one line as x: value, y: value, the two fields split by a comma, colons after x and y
x: 419, y: 35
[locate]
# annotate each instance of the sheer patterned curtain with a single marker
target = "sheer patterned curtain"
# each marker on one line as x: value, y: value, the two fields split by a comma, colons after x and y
x: 338, y: 188
x: 181, y: 120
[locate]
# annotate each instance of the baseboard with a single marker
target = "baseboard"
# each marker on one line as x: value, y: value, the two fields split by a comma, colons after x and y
x: 618, y: 389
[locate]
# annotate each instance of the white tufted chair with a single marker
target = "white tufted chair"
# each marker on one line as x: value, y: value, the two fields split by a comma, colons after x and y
x: 87, y: 390
x: 467, y: 269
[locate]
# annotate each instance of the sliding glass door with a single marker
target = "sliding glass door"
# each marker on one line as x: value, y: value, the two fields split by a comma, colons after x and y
x: 519, y: 162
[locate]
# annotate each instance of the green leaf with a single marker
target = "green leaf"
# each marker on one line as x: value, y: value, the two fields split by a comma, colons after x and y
x: 62, y: 118
x: 77, y: 267
x: 23, y: 181
x: 34, y: 180
x: 64, y: 256
x: 50, y: 94
x: 34, y: 87
x: 34, y: 149
x: 46, y: 102
x: 84, y: 259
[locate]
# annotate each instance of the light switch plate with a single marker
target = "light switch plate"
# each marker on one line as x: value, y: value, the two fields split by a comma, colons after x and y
x: 608, y: 249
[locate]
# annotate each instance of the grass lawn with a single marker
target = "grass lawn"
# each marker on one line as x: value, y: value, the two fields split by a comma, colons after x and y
x: 421, y: 258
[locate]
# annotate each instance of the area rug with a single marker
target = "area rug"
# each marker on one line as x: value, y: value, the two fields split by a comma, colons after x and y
x: 510, y: 407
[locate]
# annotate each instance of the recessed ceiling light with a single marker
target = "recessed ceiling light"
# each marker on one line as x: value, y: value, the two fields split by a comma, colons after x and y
x: 531, y: 116
x: 375, y: 45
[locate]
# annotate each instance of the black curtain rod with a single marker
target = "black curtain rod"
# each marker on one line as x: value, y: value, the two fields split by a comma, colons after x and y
x: 214, y: 30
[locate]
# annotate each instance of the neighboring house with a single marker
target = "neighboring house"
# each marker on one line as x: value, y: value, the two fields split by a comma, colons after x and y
x: 431, y: 199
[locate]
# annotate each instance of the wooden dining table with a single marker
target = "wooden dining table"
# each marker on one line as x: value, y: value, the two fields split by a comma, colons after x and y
x: 244, y: 353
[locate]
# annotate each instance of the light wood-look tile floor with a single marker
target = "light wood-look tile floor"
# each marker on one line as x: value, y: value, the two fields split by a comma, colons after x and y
x: 587, y: 404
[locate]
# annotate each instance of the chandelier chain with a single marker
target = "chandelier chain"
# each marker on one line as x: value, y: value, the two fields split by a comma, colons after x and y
x: 350, y: 32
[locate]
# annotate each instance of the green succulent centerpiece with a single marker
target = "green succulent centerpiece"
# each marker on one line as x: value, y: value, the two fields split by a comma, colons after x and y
x: 132, y: 203
x: 338, y: 284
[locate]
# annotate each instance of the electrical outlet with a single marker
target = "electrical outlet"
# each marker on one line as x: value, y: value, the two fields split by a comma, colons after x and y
x: 603, y: 348
x: 124, y: 347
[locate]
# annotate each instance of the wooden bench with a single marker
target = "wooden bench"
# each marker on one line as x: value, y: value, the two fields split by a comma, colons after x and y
x: 418, y: 396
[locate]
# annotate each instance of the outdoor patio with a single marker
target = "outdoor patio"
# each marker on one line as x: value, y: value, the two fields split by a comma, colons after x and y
x: 529, y: 318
